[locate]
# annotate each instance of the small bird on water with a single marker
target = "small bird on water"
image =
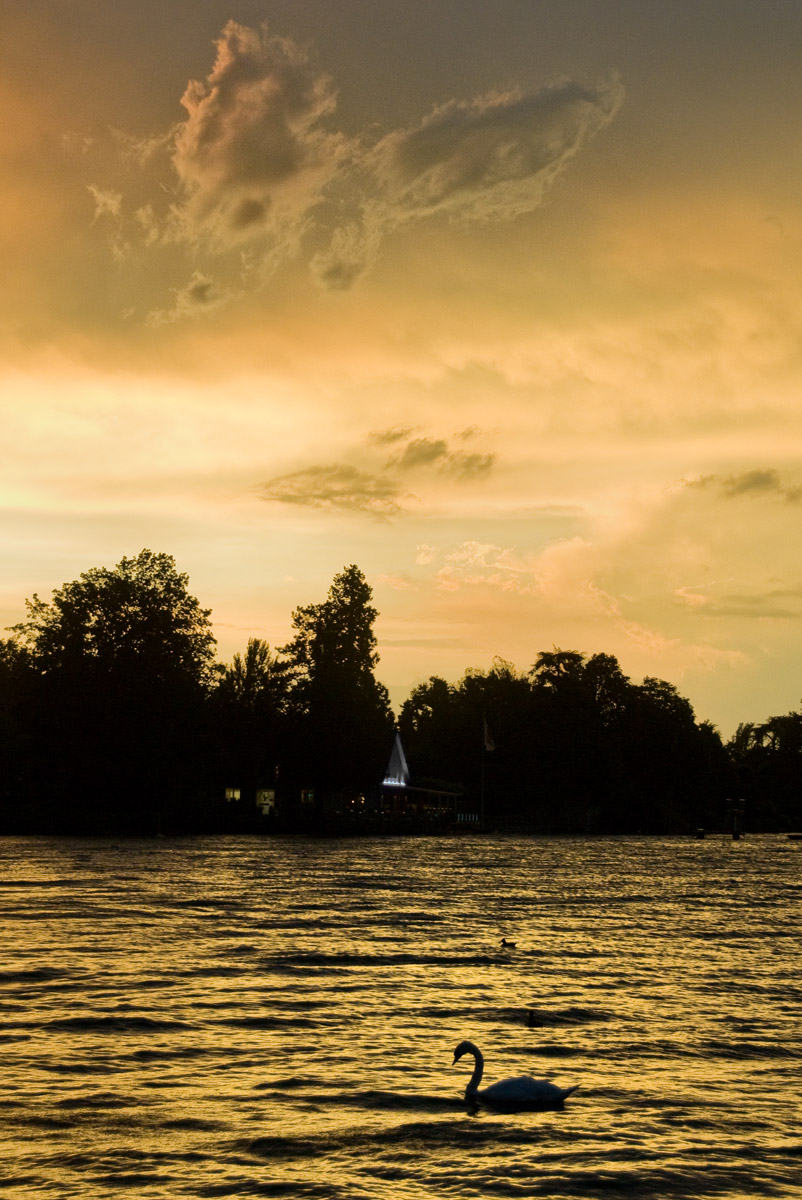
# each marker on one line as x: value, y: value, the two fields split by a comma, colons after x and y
x: 508, y: 945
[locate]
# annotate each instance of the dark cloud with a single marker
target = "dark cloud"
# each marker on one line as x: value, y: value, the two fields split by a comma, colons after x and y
x: 249, y: 212
x: 470, y: 466
x: 492, y: 158
x: 758, y: 482
x: 465, y: 435
x: 387, y: 437
x: 752, y: 483
x: 336, y: 487
x: 424, y: 452
x: 421, y: 452
x: 784, y: 604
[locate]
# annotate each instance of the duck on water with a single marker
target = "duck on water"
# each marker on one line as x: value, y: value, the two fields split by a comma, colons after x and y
x: 522, y: 1091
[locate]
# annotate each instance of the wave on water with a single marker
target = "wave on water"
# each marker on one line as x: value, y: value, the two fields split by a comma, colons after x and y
x: 270, y: 1022
x: 444, y: 1133
x: 348, y: 959
x: 98, y: 1100
x: 35, y: 975
x: 570, y: 1016
x: 371, y: 1099
x: 131, y: 1024
x: 42, y: 883
x: 735, y: 1048
x: 523, y: 1014
x: 173, y: 1054
x: 552, y: 1050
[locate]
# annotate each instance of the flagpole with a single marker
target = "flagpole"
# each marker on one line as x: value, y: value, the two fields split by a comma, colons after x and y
x: 487, y: 745
x: 482, y: 773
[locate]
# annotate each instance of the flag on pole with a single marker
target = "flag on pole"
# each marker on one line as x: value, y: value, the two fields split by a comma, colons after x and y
x: 489, y: 743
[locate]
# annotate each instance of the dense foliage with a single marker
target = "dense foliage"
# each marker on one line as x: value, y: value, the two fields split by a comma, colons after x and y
x: 115, y: 717
x: 576, y: 747
x: 111, y: 681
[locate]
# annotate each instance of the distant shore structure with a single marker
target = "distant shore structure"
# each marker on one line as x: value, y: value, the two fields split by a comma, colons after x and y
x: 397, y: 773
x: 424, y: 807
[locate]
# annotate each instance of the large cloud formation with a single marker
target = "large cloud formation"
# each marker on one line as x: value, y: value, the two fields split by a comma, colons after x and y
x: 259, y: 174
x: 251, y: 155
x: 487, y: 159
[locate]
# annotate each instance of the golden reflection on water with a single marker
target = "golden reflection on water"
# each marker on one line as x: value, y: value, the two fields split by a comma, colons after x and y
x: 219, y: 1016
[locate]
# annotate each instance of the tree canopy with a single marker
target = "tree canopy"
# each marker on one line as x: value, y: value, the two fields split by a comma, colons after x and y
x: 578, y: 747
x: 135, y: 618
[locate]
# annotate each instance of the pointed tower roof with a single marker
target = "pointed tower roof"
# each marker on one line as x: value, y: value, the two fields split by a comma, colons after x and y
x: 397, y: 773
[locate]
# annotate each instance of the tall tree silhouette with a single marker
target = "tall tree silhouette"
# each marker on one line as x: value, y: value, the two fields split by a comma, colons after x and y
x: 341, y: 714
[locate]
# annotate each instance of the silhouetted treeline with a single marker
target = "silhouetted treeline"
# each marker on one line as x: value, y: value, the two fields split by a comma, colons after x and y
x: 576, y: 746
x: 116, y: 718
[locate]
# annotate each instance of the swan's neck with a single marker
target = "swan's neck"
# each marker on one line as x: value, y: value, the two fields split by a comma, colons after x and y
x: 476, y: 1078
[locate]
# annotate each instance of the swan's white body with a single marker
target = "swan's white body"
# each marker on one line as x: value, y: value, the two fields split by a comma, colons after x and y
x: 522, y: 1089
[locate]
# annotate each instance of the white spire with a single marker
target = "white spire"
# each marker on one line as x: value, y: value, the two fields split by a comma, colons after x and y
x: 397, y: 773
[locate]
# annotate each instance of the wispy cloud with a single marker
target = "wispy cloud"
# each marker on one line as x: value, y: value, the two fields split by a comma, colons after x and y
x: 777, y: 603
x: 201, y: 295
x: 387, y: 437
x: 107, y: 202
x: 398, y: 583
x: 379, y: 488
x: 337, y: 487
x: 470, y: 466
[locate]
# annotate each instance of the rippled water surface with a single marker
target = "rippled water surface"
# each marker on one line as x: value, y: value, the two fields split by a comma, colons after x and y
x: 276, y: 1017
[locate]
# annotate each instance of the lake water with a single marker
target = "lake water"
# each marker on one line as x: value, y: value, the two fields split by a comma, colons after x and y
x: 276, y: 1017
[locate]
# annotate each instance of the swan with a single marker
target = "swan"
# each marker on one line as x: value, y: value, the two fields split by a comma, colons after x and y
x: 522, y: 1090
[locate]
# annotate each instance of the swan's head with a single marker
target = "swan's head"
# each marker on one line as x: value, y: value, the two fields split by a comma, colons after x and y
x: 464, y: 1048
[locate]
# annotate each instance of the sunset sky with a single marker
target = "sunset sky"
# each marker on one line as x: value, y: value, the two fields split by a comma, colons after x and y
x: 499, y: 299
